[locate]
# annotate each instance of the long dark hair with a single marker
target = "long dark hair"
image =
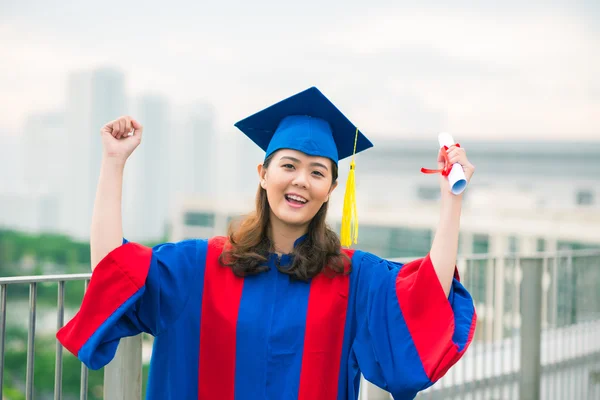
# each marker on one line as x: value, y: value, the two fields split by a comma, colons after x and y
x: 249, y: 244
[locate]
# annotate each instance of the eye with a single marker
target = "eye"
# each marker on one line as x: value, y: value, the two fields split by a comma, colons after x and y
x: 319, y: 173
x: 288, y: 166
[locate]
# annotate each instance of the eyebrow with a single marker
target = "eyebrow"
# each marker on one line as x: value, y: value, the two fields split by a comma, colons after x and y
x: 314, y: 164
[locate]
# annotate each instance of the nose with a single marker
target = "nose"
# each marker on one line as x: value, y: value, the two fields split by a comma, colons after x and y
x: 300, y: 180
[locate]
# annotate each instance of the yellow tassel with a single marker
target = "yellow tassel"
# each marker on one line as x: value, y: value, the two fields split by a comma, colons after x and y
x: 349, y: 232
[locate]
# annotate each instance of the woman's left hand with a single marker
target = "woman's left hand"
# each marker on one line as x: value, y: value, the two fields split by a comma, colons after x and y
x: 455, y: 155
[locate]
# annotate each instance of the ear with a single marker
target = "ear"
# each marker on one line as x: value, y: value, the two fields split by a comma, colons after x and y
x: 332, y: 189
x: 262, y: 175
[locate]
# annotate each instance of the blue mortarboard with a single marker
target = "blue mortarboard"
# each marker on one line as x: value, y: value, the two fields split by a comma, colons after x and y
x: 307, y: 122
x: 310, y: 123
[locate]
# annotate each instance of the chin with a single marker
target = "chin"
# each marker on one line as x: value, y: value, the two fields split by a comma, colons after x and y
x: 293, y: 220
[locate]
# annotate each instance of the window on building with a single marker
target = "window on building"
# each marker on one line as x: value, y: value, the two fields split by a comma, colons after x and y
x: 511, y: 288
x: 477, y: 271
x: 406, y: 242
x: 566, y: 245
x: 375, y: 239
x: 585, y: 198
x: 428, y: 193
x: 541, y: 245
x: 199, y: 219
x: 394, y: 242
x: 481, y: 243
x: 513, y: 244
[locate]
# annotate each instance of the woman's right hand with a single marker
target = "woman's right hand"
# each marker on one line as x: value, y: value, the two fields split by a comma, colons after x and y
x: 117, y: 143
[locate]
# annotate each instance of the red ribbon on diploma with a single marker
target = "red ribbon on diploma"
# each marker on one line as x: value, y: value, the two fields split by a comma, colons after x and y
x: 447, y: 167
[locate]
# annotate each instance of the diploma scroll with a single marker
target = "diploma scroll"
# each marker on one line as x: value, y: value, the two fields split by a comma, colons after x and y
x: 456, y: 177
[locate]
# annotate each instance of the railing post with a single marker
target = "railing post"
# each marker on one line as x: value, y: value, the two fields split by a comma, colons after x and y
x: 375, y: 393
x: 123, y: 375
x: 531, y: 328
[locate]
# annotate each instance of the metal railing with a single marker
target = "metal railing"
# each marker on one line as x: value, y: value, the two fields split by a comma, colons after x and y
x: 33, y: 282
x: 538, y: 324
x: 122, y: 377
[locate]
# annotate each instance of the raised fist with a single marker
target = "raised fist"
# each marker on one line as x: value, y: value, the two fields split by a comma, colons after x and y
x: 120, y: 138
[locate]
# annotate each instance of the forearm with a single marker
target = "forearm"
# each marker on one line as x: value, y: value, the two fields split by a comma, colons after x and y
x: 107, y: 227
x: 444, y: 249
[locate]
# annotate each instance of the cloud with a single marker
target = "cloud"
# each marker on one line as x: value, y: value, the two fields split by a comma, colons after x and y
x: 494, y: 75
x: 490, y: 72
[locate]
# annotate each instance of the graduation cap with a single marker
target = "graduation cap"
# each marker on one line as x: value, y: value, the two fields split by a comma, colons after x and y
x: 310, y: 123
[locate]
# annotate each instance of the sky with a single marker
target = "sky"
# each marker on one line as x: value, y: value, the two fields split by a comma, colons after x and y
x: 487, y: 71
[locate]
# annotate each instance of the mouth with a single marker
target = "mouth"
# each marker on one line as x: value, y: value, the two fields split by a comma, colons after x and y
x: 295, y: 200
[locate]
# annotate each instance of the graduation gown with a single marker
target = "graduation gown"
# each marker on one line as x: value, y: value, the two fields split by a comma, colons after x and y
x: 266, y: 336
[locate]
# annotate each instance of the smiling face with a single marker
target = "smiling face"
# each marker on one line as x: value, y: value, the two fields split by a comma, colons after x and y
x: 297, y: 185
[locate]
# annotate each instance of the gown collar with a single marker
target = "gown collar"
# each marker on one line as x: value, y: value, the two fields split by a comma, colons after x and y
x: 286, y: 259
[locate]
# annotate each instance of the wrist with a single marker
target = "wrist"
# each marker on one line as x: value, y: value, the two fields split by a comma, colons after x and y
x: 114, y: 163
x: 450, y: 200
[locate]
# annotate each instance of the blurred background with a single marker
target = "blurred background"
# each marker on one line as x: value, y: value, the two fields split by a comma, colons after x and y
x: 516, y: 84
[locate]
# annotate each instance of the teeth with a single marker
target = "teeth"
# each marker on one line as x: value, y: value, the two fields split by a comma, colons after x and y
x: 297, y: 198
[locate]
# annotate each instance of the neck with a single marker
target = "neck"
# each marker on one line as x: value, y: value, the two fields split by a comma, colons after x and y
x: 284, y: 236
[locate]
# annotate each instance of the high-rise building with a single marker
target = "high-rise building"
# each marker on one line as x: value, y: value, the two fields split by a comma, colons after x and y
x: 147, y: 188
x: 29, y: 210
x: 194, y: 153
x: 11, y: 162
x: 93, y: 98
x: 45, y: 140
x: 46, y: 166
x: 250, y: 155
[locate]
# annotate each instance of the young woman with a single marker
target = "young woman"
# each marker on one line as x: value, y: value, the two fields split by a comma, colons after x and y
x: 278, y: 309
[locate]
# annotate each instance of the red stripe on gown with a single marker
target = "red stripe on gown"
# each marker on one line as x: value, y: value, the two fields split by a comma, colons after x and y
x: 429, y: 317
x: 117, y: 277
x: 324, y: 336
x: 220, y: 306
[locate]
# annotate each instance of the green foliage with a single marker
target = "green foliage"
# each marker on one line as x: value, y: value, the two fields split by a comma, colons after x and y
x: 15, y: 364
x: 64, y: 255
x: 42, y: 248
x: 12, y: 393
x: 67, y: 255
x: 71, y: 255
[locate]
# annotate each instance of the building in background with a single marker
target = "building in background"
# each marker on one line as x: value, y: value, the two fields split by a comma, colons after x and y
x: 58, y: 156
x: 146, y: 184
x: 521, y: 190
x: 196, y: 153
x: 93, y: 98
x: 524, y: 197
x: 46, y: 152
x: 30, y: 211
x: 46, y: 163
x: 531, y: 198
